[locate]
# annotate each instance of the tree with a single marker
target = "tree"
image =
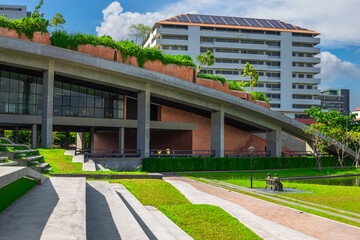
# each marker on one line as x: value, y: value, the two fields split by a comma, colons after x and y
x: 57, y: 21
x: 36, y: 13
x: 251, y: 72
x: 206, y: 59
x: 139, y: 32
x: 354, y: 138
x: 319, y: 143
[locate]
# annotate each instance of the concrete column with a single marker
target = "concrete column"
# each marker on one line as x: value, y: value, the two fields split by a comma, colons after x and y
x: 92, y: 137
x: 66, y: 140
x: 34, y: 136
x: 48, y: 99
x: 217, y: 132
x: 273, y: 142
x: 38, y: 133
x: 143, y: 121
x: 121, y: 138
x: 16, y: 135
x: 80, y: 140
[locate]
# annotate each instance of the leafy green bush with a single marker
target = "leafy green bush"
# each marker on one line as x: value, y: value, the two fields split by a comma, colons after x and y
x: 64, y: 40
x: 259, y: 96
x: 221, y: 164
x: 25, y: 25
x: 213, y: 77
x: 234, y: 85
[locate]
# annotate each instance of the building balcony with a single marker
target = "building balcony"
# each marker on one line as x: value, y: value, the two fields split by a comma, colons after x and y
x: 306, y: 69
x: 306, y: 40
x: 306, y: 91
x: 237, y: 35
x: 240, y: 56
x: 307, y: 80
x: 306, y: 59
x: 306, y: 101
x: 171, y: 42
x: 170, y: 31
x: 306, y: 49
x: 176, y: 52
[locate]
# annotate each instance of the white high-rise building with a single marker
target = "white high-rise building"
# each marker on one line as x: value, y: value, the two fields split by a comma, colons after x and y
x: 14, y: 11
x: 283, y: 54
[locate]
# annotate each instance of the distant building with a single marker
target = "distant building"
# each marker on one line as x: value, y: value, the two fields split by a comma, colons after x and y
x: 358, y: 113
x: 336, y: 100
x: 14, y: 11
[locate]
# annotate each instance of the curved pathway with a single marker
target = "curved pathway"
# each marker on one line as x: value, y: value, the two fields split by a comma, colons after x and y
x: 287, y: 221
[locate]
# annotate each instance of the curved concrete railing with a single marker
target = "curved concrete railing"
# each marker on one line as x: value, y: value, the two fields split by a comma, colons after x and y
x: 11, y: 174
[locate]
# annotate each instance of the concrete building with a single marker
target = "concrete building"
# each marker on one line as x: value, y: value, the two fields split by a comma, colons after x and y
x: 14, y: 11
x: 46, y: 88
x: 336, y: 100
x: 283, y: 54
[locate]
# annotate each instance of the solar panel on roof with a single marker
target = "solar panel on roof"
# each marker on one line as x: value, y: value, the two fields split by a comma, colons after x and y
x: 288, y: 26
x: 230, y: 21
x: 276, y: 24
x: 194, y: 18
x: 264, y: 23
x: 218, y: 20
x: 241, y: 21
x: 206, y: 19
x: 172, y: 20
x: 182, y: 18
x: 253, y: 22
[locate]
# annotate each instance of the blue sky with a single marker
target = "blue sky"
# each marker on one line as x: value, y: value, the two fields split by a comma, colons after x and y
x: 337, y: 21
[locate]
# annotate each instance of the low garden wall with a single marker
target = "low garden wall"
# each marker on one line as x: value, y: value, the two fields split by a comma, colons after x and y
x: 225, y: 164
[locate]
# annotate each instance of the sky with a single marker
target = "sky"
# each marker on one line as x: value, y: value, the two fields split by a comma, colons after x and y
x: 337, y: 21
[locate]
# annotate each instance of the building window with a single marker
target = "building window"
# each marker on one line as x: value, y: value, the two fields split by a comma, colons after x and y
x: 221, y: 60
x: 309, y: 76
x: 79, y: 100
x: 294, y: 86
x: 308, y: 87
x: 301, y: 86
x: 227, y: 50
x: 275, y: 105
x: 274, y: 54
x: 204, y: 50
x: 174, y: 37
x: 20, y: 93
x: 226, y: 72
x: 165, y: 47
x: 203, y: 39
x: 302, y: 96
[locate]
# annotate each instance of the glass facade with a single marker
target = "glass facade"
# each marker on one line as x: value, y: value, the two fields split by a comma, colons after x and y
x: 20, y: 93
x: 79, y: 100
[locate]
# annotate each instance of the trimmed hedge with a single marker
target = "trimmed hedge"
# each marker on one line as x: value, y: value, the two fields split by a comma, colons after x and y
x: 213, y: 77
x: 182, y: 164
x: 26, y: 25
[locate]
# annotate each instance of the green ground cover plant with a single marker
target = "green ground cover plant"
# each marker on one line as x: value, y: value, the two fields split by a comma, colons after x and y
x: 182, y: 164
x: 259, y: 96
x: 26, y: 25
x: 61, y: 163
x: 213, y: 77
x: 11, y: 192
x: 63, y: 39
x: 199, y: 221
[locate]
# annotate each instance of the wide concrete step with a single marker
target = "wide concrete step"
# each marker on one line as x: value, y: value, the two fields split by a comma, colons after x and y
x: 12, y: 163
x: 54, y: 210
x: 3, y: 158
x: 154, y: 223
x: 107, y: 217
x: 31, y: 158
x: 25, y: 151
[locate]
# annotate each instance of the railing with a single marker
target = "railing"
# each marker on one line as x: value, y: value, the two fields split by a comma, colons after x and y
x: 239, y: 153
x: 108, y: 153
x: 181, y: 153
x: 302, y: 154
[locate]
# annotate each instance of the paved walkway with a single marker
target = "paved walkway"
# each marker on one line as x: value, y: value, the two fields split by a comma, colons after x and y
x: 286, y: 220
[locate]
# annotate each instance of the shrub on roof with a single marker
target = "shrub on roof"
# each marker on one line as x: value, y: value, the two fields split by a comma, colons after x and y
x: 127, y: 48
x: 213, y: 77
x: 26, y: 25
x: 259, y: 96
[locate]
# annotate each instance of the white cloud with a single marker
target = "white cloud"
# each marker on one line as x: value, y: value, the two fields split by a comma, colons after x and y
x: 333, y: 67
x: 337, y: 21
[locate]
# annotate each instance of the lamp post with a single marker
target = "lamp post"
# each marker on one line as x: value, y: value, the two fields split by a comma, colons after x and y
x: 251, y: 149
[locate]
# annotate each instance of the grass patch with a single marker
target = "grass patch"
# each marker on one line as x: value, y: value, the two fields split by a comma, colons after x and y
x: 199, y: 221
x: 61, y: 163
x: 207, y: 222
x: 11, y: 192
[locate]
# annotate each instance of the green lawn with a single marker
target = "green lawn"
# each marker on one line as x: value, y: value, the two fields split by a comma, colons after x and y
x: 61, y: 163
x: 10, y: 193
x: 199, y: 221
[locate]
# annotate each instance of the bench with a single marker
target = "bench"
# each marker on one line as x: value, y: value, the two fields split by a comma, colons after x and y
x: 273, y: 183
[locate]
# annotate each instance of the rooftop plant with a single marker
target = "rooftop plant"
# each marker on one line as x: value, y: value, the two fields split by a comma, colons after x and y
x: 213, y: 77
x: 259, y: 96
x: 26, y: 25
x: 127, y: 48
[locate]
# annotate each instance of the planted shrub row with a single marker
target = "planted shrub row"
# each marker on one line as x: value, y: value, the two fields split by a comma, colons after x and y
x: 213, y: 77
x: 72, y: 41
x: 222, y: 164
x: 26, y: 25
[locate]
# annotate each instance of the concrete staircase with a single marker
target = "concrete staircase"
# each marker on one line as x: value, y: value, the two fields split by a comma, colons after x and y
x: 71, y: 208
x: 22, y: 154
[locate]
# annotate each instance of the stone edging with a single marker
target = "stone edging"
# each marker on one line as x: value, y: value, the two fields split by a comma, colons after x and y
x: 111, y: 176
x: 319, y: 177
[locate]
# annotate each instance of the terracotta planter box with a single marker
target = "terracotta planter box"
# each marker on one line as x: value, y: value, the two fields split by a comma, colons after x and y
x: 217, y: 85
x: 262, y: 103
x: 182, y: 72
x: 244, y: 95
x: 97, y: 51
x: 39, y: 37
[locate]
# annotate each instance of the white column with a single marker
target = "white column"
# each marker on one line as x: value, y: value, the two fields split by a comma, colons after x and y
x: 217, y: 132
x: 47, y: 108
x: 34, y: 136
x: 80, y: 140
x: 121, y: 138
x: 143, y: 121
